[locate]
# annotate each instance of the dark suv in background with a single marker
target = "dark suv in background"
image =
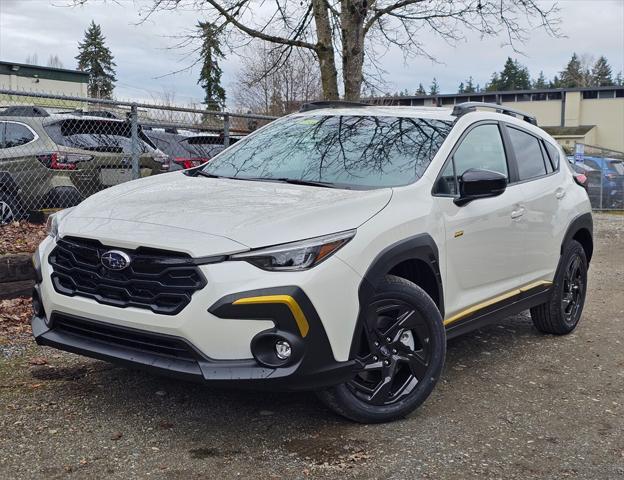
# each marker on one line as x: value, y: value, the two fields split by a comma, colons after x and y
x: 55, y: 160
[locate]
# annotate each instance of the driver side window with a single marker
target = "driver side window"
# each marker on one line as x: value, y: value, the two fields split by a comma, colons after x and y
x: 483, y: 149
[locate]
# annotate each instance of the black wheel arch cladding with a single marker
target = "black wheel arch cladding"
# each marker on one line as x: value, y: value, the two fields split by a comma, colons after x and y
x: 581, y: 229
x: 420, y: 247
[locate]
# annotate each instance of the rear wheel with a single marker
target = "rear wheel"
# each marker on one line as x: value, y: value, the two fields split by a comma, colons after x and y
x: 9, y: 208
x: 401, y: 353
x: 562, y: 313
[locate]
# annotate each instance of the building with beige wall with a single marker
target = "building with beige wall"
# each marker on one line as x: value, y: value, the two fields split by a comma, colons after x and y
x: 593, y: 116
x: 38, y: 79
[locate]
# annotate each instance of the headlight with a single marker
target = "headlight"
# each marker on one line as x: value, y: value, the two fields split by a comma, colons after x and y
x: 297, y: 255
x: 52, y: 223
x: 52, y: 226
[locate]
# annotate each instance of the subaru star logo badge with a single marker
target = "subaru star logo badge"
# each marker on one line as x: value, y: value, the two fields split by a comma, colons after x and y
x: 115, y: 260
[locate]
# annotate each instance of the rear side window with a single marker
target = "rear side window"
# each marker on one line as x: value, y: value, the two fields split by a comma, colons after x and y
x: 14, y: 134
x: 553, y: 153
x: 528, y: 154
x: 95, y: 135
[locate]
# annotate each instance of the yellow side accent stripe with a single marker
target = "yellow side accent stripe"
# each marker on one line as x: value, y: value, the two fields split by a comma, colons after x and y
x: 492, y: 301
x: 290, y: 302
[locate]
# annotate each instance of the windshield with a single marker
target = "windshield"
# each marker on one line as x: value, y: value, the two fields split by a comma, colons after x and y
x: 345, y: 151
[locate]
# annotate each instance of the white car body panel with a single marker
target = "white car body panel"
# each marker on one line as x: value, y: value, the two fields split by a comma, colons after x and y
x: 219, y: 212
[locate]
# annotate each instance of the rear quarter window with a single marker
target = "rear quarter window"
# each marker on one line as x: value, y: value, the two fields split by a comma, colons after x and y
x: 96, y: 135
x: 528, y: 154
x: 14, y: 134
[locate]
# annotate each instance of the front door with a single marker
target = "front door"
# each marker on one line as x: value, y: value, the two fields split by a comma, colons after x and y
x: 484, y: 238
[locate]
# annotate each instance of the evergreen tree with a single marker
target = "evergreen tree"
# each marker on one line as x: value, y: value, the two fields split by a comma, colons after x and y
x: 540, y: 82
x: 434, y: 89
x: 601, y: 75
x: 493, y: 84
x: 573, y: 75
x: 619, y: 81
x: 96, y: 58
x: 421, y: 90
x: 555, y: 82
x: 514, y: 76
x: 210, y: 75
x: 470, y: 88
x: 461, y: 88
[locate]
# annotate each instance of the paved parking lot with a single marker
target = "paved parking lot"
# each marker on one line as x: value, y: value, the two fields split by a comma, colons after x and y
x: 512, y: 403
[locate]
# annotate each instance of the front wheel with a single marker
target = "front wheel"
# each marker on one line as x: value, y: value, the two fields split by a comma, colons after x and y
x: 401, y: 354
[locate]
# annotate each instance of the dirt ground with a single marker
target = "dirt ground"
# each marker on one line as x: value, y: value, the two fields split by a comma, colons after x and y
x: 511, y: 404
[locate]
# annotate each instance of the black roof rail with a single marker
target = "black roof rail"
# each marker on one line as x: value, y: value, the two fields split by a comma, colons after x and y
x: 465, y: 107
x: 24, y: 111
x: 306, y: 107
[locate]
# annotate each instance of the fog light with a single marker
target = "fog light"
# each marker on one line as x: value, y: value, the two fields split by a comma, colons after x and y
x: 282, y: 349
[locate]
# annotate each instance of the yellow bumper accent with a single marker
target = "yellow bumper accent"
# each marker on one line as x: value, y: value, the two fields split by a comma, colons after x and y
x: 290, y: 302
x: 492, y: 301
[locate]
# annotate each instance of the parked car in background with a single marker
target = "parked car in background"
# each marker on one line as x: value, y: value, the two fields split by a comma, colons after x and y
x: 605, y: 180
x: 185, y: 148
x: 56, y: 160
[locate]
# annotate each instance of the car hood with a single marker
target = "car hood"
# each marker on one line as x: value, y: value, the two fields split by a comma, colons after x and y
x: 206, y: 216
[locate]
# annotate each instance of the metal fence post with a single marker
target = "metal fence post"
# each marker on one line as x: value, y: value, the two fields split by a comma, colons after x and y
x: 602, y: 179
x: 134, y: 139
x: 226, y: 130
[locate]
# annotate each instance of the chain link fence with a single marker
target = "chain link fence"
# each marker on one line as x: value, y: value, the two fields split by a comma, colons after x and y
x: 57, y: 150
x: 604, y: 170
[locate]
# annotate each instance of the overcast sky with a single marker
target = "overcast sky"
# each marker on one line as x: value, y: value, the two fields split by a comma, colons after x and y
x: 143, y: 51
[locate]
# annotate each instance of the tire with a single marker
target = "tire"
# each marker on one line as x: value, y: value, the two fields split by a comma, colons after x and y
x: 401, y: 350
x: 64, y: 197
x: 562, y: 313
x: 10, y: 209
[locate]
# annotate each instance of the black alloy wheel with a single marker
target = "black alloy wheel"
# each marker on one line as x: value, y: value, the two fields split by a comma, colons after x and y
x: 562, y: 312
x: 395, y: 353
x: 573, y: 290
x: 399, y: 351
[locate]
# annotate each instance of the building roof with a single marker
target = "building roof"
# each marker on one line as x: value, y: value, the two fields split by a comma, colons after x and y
x: 38, y: 71
x: 499, y: 92
x: 579, y: 131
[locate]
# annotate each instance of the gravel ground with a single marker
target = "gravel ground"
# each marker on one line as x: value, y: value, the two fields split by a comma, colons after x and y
x: 512, y: 403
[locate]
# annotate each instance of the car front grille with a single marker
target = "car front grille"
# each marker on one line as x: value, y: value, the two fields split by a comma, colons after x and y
x: 157, y: 280
x: 112, y: 335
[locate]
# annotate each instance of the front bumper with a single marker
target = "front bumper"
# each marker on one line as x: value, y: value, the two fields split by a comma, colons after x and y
x: 176, y: 357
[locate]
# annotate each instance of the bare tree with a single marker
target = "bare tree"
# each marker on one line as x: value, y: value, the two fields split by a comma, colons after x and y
x: 348, y: 31
x: 55, y: 62
x: 271, y: 86
x: 32, y: 59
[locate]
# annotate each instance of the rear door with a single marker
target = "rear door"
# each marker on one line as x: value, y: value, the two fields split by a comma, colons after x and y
x: 484, y: 245
x: 544, y: 194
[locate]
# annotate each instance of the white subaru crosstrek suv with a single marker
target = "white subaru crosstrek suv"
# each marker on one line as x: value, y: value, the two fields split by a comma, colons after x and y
x: 335, y: 250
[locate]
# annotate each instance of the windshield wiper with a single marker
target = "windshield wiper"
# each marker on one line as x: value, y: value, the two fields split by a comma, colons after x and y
x: 212, y: 175
x: 295, y: 181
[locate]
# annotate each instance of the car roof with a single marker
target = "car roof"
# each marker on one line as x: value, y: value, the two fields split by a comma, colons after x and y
x: 434, y: 113
x: 57, y: 117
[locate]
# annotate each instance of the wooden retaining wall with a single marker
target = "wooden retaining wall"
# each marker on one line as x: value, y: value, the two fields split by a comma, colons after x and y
x: 17, y: 275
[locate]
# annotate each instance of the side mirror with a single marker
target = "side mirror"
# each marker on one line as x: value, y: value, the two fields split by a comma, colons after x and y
x: 476, y: 183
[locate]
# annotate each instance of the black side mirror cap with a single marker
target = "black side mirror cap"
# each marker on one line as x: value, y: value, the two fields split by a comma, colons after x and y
x: 479, y: 183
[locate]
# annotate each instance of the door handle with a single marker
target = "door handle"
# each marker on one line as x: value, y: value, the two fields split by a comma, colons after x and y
x: 560, y: 193
x: 517, y: 213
